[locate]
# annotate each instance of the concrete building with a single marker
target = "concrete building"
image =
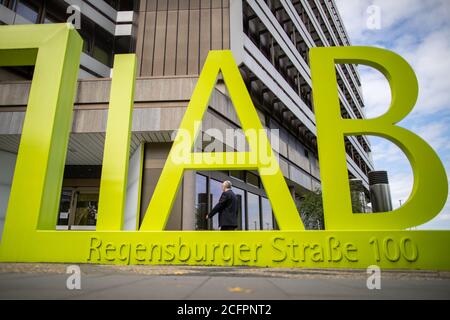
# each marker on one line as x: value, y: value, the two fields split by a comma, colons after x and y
x: 270, y: 41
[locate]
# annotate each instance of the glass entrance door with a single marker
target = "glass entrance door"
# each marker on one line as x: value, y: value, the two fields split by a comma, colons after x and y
x: 78, y: 209
x: 85, y: 210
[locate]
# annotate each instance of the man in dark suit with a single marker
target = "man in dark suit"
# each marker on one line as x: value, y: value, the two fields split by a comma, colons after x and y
x: 227, y: 208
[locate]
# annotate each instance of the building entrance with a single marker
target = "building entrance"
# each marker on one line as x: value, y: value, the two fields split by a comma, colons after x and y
x: 78, y: 209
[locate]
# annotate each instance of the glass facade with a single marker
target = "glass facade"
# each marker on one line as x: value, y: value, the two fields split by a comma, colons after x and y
x: 254, y: 210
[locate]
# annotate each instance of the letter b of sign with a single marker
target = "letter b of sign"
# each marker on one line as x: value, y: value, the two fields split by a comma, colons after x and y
x: 430, y: 188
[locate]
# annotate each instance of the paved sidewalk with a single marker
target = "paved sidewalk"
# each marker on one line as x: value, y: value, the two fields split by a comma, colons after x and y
x: 48, y: 281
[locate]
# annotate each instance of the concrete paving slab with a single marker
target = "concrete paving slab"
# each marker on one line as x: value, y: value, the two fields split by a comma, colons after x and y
x: 237, y: 288
x: 150, y: 288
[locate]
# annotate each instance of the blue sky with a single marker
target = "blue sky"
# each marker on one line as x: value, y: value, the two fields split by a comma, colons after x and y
x: 420, y: 32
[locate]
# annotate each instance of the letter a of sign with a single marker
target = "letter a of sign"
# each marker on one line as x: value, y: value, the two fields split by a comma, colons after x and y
x: 260, y: 157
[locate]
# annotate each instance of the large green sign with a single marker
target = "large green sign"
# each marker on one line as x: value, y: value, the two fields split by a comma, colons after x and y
x: 351, y: 240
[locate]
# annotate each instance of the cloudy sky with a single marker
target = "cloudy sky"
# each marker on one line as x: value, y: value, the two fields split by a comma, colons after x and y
x: 420, y: 32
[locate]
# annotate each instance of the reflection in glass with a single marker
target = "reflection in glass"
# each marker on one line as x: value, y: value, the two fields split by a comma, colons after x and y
x: 253, y: 179
x: 101, y: 55
x: 103, y: 46
x: 27, y: 11
x: 49, y: 20
x: 86, y: 210
x: 64, y: 207
x: 238, y: 174
x: 216, y: 191
x: 267, y: 222
x: 253, y: 212
x: 201, y: 203
x: 240, y: 195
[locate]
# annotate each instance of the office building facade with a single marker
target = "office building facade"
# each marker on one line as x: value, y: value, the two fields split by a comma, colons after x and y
x: 269, y: 39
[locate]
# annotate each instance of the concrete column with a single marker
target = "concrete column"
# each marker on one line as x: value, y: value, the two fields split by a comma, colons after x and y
x: 155, y: 156
x: 189, y: 193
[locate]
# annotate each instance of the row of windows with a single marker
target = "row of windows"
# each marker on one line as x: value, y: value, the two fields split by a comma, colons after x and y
x: 339, y: 39
x: 327, y: 34
x: 260, y: 36
x: 257, y: 32
x: 98, y: 43
x: 308, y: 23
x: 291, y: 31
x: 38, y: 11
x: 332, y: 42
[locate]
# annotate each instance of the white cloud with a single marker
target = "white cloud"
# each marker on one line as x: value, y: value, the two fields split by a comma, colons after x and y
x: 385, y: 152
x: 436, y: 134
x: 423, y: 15
x: 444, y: 217
x: 376, y: 92
x: 432, y: 66
x: 401, y: 187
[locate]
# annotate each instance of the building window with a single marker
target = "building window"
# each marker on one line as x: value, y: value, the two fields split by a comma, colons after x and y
x: 101, y: 55
x: 240, y: 175
x: 122, y: 5
x: 64, y: 207
x: 215, y: 188
x: 98, y: 43
x: 79, y: 198
x: 28, y: 11
x: 56, y: 12
x: 253, y: 212
x: 10, y: 4
x: 86, y: 209
x: 87, y: 33
x: 240, y: 195
x: 253, y: 179
x: 103, y: 46
x: 201, y: 202
x: 267, y: 217
x: 49, y: 20
x: 78, y: 209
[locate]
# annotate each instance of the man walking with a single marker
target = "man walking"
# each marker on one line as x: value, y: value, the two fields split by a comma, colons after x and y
x: 227, y: 208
